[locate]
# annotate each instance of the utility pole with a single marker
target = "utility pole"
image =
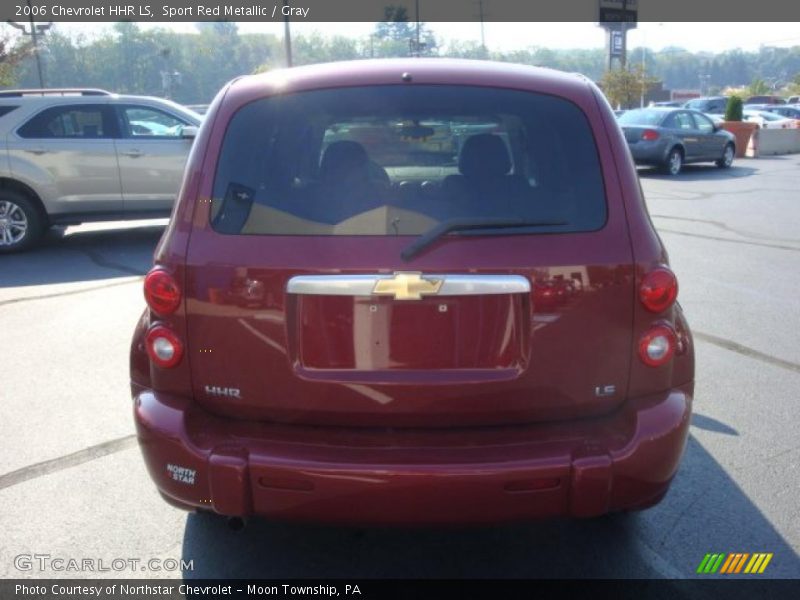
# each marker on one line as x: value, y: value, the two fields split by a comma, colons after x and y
x: 704, y: 79
x: 416, y: 45
x: 483, y: 35
x: 35, y: 31
x: 644, y: 67
x: 287, y: 35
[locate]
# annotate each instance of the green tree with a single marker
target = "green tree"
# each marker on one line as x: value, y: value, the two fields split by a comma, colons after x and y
x: 395, y: 25
x: 398, y: 29
x: 222, y: 28
x: 469, y: 49
x: 733, y: 111
x: 11, y: 55
x: 793, y: 89
x: 625, y: 87
x: 758, y: 87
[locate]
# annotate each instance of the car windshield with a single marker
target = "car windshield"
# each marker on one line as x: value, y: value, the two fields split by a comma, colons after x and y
x: 698, y: 104
x: 398, y: 160
x: 641, y: 117
x: 767, y: 116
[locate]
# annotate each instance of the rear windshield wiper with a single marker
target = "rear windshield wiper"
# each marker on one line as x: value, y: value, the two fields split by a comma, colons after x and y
x: 445, y: 227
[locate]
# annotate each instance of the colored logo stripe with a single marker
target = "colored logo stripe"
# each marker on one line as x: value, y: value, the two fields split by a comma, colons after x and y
x: 710, y: 563
x: 758, y: 563
x: 734, y: 562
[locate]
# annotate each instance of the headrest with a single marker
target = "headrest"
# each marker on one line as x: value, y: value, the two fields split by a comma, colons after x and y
x: 343, y: 158
x: 484, y: 155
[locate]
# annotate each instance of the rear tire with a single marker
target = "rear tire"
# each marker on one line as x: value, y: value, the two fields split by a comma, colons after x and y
x: 674, y: 162
x: 21, y: 223
x: 727, y: 157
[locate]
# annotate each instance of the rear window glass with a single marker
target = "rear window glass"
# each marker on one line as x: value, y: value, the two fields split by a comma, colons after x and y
x: 70, y: 121
x: 398, y: 160
x: 641, y: 117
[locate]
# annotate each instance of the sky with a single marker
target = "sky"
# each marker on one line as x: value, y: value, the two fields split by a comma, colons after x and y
x: 695, y: 37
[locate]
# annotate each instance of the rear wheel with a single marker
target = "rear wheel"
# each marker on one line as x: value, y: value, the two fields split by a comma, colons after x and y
x: 21, y: 223
x: 674, y: 162
x: 727, y: 157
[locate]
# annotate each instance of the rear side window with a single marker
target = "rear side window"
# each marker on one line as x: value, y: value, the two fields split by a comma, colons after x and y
x: 398, y: 160
x: 72, y: 121
x: 4, y: 110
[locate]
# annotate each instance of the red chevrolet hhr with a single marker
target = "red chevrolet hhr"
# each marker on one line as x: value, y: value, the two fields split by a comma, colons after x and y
x: 411, y: 291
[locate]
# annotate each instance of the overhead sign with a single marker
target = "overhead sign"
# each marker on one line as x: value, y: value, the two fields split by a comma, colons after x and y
x: 684, y: 94
x: 617, y: 43
x: 619, y: 11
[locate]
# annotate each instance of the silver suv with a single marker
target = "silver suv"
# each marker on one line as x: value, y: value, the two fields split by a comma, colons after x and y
x: 75, y: 155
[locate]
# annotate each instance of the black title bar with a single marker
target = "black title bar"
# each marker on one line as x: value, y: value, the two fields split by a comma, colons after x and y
x: 373, y: 10
x: 372, y: 589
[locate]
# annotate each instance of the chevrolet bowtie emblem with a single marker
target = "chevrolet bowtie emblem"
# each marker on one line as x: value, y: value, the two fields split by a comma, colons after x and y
x: 407, y: 286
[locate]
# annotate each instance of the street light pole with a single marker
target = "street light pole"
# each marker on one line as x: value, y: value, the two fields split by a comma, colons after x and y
x: 644, y: 66
x: 287, y: 35
x: 483, y: 36
x: 417, y: 34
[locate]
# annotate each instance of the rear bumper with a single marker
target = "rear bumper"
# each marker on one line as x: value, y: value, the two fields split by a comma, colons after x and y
x: 582, y: 468
x: 649, y: 153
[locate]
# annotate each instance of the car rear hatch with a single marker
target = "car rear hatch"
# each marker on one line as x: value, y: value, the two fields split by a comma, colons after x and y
x: 633, y: 134
x: 319, y: 292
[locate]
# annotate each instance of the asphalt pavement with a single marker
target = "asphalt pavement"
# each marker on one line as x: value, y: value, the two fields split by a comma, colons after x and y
x: 73, y: 485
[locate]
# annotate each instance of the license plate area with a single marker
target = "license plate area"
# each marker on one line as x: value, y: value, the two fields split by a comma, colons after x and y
x: 370, y: 333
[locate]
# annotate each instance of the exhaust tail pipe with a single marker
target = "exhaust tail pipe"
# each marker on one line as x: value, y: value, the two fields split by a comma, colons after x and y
x: 236, y: 523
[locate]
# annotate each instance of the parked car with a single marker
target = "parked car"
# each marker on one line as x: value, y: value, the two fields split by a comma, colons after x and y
x: 200, y: 109
x: 672, y: 137
x: 765, y: 100
x: 714, y: 105
x: 349, y: 332
x: 784, y: 110
x: 767, y: 120
x: 75, y: 155
x: 673, y: 103
x: 793, y: 100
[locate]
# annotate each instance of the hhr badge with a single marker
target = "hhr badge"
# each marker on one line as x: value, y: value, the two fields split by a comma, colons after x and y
x: 228, y: 392
x: 407, y: 286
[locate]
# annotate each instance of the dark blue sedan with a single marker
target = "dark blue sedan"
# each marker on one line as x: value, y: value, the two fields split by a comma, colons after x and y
x: 671, y: 137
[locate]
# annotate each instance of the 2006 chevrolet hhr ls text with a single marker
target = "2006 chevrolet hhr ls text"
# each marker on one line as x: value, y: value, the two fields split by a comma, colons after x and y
x: 411, y: 291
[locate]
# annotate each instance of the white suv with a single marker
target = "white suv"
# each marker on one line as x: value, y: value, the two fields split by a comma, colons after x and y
x: 75, y: 155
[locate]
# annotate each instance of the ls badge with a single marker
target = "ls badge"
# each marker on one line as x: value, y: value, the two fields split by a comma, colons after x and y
x: 601, y: 391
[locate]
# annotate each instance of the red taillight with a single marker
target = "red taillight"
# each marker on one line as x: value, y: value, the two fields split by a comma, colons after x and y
x: 163, y: 346
x: 650, y: 135
x: 161, y: 291
x: 658, y: 290
x: 657, y: 345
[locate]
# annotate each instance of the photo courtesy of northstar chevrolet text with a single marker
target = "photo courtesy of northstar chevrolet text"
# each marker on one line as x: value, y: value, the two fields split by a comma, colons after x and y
x: 395, y: 296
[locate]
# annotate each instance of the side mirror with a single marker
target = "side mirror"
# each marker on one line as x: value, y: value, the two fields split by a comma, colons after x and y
x: 189, y: 132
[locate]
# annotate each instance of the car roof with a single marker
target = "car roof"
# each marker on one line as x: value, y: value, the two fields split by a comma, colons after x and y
x: 419, y: 70
x: 707, y: 98
x: 35, y: 103
x: 32, y: 97
x: 662, y: 109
